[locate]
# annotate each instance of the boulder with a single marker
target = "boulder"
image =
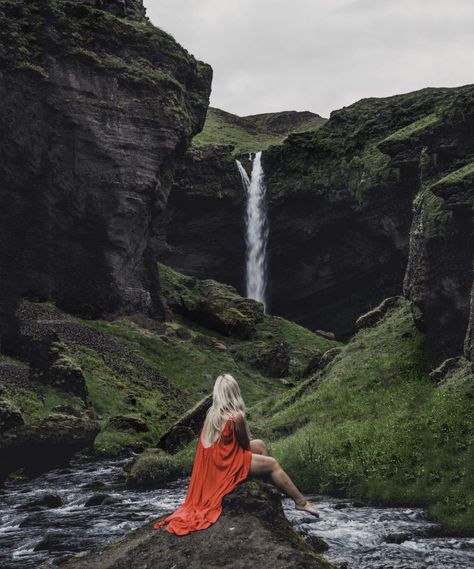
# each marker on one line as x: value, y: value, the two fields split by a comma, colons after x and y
x: 127, y: 423
x: 10, y: 415
x: 211, y: 304
x: 153, y: 469
x: 376, y: 314
x: 272, y: 359
x: 46, y: 443
x: 186, y: 428
x: 252, y: 515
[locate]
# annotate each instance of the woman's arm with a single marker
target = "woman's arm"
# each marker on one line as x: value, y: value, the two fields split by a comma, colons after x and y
x: 241, y: 432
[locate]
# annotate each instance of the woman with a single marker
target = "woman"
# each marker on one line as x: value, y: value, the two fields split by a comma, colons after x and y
x: 225, y: 456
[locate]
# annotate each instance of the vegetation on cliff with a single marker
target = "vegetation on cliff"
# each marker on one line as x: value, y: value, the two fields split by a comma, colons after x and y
x: 255, y: 132
x: 128, y: 47
x: 136, y: 375
x: 370, y: 424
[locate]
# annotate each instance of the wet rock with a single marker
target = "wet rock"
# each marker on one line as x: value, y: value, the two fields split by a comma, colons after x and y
x: 96, y: 500
x: 102, y: 500
x: 47, y: 443
x: 251, y: 514
x: 47, y: 500
x: 186, y: 428
x: 10, y: 415
x: 127, y: 423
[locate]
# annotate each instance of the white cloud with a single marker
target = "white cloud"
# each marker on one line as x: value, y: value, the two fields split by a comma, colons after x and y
x: 319, y: 55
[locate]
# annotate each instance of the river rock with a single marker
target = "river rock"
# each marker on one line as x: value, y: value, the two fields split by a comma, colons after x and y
x: 252, y: 515
x: 46, y: 500
x: 46, y: 443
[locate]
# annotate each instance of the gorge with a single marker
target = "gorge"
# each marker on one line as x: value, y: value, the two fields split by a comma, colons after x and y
x: 138, y: 262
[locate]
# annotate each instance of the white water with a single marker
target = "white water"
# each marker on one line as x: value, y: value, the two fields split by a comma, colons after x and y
x: 256, y: 226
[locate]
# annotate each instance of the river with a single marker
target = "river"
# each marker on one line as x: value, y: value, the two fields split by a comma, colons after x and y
x: 359, y: 537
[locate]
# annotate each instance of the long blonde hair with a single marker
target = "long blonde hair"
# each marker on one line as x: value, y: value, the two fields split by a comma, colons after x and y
x: 226, y: 401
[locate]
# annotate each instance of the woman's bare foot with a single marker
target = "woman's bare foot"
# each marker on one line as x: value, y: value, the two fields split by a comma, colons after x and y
x: 307, y: 507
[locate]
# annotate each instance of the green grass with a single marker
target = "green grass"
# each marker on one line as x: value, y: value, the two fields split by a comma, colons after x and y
x: 249, y: 134
x: 414, y: 128
x: 375, y: 426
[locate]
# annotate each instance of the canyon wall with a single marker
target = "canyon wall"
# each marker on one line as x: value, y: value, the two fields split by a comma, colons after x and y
x: 98, y: 107
x: 375, y: 202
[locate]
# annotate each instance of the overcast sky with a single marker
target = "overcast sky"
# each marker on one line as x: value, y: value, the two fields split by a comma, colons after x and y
x: 319, y: 55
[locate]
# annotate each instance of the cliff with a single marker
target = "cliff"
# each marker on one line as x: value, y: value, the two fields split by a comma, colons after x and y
x: 98, y: 107
x: 375, y: 202
x: 252, y: 530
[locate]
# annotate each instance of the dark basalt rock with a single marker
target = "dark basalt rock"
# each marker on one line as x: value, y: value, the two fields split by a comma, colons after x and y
x: 48, y: 443
x: 186, y: 428
x: 375, y: 203
x: 212, y: 304
x: 373, y: 316
x: 96, y: 113
x: 47, y: 500
x: 205, y: 233
x: 10, y: 415
x: 127, y: 423
x: 251, y: 514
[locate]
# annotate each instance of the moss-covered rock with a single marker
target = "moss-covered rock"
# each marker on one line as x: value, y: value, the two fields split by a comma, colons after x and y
x: 186, y: 428
x: 214, y: 305
x: 252, y: 514
x: 45, y: 443
x: 10, y: 415
x: 153, y: 469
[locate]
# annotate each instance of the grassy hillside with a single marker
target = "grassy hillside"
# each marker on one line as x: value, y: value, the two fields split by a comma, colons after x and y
x: 373, y: 425
x: 140, y: 375
x: 255, y: 132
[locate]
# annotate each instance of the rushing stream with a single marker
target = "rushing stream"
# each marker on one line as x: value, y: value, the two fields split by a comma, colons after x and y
x: 362, y: 538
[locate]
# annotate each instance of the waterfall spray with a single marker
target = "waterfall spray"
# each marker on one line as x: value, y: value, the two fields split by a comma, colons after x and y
x: 256, y: 230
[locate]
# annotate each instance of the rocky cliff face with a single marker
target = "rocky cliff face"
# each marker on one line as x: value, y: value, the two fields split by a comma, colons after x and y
x: 98, y: 107
x: 346, y: 203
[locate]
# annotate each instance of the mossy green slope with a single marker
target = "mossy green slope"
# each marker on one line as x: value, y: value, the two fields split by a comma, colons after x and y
x: 255, y: 132
x: 378, y: 427
x: 373, y: 425
x: 143, y: 370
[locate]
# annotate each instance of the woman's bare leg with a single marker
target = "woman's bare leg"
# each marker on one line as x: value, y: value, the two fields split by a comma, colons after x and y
x: 269, y: 466
x: 258, y: 446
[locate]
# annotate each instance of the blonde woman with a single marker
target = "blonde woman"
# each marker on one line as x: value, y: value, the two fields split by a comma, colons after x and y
x: 226, y: 455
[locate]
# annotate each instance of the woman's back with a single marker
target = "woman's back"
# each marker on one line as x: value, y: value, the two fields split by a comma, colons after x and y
x: 217, y: 470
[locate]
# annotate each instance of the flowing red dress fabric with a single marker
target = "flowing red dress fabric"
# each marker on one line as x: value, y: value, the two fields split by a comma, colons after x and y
x: 216, y: 471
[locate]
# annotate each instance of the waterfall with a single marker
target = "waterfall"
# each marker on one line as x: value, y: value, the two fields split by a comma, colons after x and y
x: 256, y: 227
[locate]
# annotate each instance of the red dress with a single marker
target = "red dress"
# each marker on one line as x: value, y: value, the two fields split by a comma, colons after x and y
x: 216, y: 471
